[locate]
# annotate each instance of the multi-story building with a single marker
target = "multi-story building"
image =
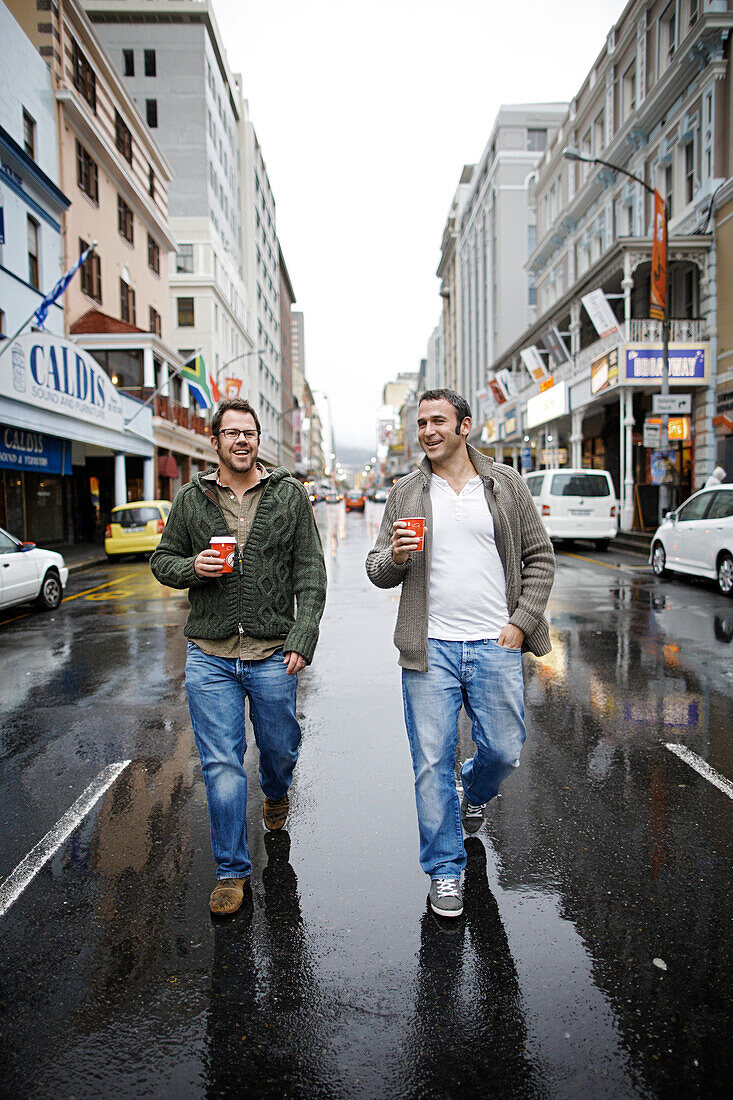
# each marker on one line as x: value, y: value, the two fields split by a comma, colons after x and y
x: 432, y: 377
x: 495, y: 235
x: 286, y: 420
x: 106, y: 161
x: 297, y: 330
x: 657, y: 103
x: 171, y: 57
x: 447, y: 273
x: 261, y: 254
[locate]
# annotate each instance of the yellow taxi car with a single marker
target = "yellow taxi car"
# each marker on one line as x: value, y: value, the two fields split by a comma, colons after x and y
x: 135, y: 528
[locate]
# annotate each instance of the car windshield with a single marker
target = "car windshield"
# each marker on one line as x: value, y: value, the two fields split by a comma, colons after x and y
x: 134, y: 517
x: 354, y: 494
x: 580, y: 485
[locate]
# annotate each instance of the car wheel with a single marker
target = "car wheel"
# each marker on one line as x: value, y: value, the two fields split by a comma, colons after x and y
x: 659, y: 560
x: 725, y: 575
x: 602, y: 544
x: 51, y: 591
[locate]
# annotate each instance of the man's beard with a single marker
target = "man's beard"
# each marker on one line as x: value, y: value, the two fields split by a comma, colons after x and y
x: 250, y: 459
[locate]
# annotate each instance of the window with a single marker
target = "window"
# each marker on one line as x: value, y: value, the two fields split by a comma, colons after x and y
x: 85, y: 79
x: 151, y: 181
x: 184, y: 259
x: 185, y: 313
x: 150, y: 62
x: 694, y: 11
x: 629, y: 91
x: 155, y: 325
x: 695, y: 508
x: 127, y: 303
x: 599, y: 134
x: 668, y: 176
x: 536, y: 140
x: 128, y: 62
x: 722, y: 506
x: 33, y: 277
x: 2, y: 322
x: 86, y: 173
x: 91, y: 273
x: 669, y: 30
x: 153, y: 255
x: 151, y: 113
x: 689, y: 171
x: 123, y: 137
x: 29, y: 135
x: 124, y: 220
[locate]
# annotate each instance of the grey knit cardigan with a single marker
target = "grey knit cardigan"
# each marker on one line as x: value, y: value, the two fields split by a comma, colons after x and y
x: 523, y: 546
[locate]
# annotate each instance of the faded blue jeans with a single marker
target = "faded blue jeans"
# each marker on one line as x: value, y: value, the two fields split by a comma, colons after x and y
x: 487, y: 679
x: 217, y: 688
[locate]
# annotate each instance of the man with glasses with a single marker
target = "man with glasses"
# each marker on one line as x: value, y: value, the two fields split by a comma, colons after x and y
x: 249, y: 631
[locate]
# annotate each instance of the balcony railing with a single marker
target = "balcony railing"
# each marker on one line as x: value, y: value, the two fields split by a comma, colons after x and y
x: 644, y: 330
x: 168, y: 409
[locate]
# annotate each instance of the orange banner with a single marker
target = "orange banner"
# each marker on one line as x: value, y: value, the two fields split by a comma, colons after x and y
x: 659, y: 261
x: 232, y: 387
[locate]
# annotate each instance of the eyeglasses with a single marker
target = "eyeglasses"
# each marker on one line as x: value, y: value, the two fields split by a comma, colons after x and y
x: 234, y: 433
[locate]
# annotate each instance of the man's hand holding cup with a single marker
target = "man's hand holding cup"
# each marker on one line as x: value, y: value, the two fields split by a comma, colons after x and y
x: 216, y: 559
x: 407, y: 538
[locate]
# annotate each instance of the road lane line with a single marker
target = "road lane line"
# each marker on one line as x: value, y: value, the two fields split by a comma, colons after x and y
x: 702, y: 768
x: 28, y: 868
x: 608, y: 564
x: 107, y: 585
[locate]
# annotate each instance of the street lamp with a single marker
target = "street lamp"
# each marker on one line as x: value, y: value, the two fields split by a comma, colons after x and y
x: 659, y: 205
x: 244, y: 355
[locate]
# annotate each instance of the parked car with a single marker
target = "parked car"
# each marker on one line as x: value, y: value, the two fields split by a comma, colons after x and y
x: 355, y: 501
x: 380, y: 496
x: 697, y: 538
x: 135, y: 528
x: 332, y: 497
x: 29, y: 573
x: 576, y: 504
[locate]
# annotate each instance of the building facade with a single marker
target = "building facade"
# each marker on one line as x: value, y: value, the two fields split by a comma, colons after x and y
x: 91, y: 443
x: 286, y: 420
x: 657, y: 103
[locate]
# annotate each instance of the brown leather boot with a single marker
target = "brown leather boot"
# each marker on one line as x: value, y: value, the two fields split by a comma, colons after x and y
x: 227, y: 895
x: 275, y: 814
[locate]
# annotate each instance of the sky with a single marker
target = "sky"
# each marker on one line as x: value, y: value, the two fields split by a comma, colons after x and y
x: 366, y: 113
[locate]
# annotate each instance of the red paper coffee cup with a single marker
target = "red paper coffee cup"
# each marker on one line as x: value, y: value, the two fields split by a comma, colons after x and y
x: 417, y: 525
x: 226, y: 548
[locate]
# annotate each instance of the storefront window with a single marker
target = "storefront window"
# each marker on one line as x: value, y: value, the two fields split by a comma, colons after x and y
x: 44, y: 508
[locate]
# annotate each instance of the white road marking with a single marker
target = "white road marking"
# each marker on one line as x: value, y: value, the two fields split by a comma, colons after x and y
x: 702, y: 768
x: 28, y: 868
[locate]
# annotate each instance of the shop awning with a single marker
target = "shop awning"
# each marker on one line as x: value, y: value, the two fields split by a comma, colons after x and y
x: 167, y: 466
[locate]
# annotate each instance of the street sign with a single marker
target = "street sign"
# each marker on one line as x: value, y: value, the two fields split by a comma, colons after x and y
x: 652, y: 435
x: 677, y: 404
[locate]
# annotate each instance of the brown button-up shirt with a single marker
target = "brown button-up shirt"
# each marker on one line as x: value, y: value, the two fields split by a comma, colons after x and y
x: 239, y: 515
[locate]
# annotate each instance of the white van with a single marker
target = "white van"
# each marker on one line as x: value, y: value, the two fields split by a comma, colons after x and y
x: 576, y: 504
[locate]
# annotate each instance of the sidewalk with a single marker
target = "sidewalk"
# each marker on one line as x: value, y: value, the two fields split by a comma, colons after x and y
x: 81, y: 555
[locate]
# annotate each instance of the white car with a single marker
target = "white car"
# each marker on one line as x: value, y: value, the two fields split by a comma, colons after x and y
x: 576, y: 504
x: 698, y: 538
x: 29, y: 573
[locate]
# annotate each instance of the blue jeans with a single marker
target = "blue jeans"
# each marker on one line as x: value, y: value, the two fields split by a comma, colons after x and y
x: 487, y: 679
x: 217, y: 688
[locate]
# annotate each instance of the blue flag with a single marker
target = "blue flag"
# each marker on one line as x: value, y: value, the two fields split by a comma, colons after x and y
x: 42, y: 311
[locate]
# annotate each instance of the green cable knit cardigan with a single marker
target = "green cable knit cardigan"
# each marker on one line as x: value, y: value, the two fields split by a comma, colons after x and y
x: 281, y: 566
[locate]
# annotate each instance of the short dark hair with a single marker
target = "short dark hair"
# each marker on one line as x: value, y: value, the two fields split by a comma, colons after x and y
x: 462, y: 407
x: 235, y: 404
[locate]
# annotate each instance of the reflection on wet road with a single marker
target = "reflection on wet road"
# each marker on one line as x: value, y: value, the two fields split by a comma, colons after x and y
x: 594, y: 954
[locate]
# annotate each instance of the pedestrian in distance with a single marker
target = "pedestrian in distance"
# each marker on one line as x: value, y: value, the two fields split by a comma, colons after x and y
x: 717, y: 478
x: 252, y: 626
x: 473, y: 597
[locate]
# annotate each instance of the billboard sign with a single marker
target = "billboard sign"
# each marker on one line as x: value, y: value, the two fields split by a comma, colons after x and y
x: 534, y: 363
x: 58, y: 376
x: 604, y: 372
x: 642, y: 364
x: 598, y: 309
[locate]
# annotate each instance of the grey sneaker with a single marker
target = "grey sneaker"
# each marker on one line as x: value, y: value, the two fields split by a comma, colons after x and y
x: 473, y: 816
x: 446, y: 897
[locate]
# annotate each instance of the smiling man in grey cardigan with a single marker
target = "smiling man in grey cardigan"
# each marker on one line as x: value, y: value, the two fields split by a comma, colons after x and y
x: 249, y: 631
x: 471, y: 601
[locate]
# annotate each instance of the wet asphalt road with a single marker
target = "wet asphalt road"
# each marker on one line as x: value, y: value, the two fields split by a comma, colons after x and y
x: 604, y: 853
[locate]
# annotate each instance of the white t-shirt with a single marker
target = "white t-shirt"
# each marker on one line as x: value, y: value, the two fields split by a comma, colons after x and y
x: 467, y: 582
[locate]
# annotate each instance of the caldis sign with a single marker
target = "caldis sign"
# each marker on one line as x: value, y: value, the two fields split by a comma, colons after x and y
x: 51, y: 373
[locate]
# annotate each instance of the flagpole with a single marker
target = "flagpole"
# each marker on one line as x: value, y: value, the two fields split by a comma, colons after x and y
x: 28, y: 320
x: 162, y: 385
